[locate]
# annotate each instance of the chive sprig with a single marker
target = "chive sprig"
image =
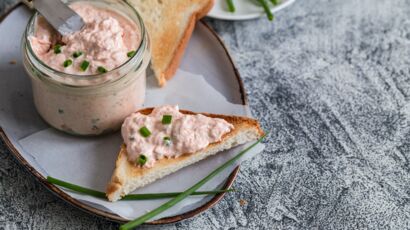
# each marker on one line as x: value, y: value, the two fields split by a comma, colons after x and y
x: 231, y: 6
x: 263, y: 3
x: 145, y: 196
x: 140, y: 220
x: 275, y: 2
x: 265, y: 6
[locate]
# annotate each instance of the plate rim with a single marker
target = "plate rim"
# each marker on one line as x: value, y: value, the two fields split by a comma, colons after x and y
x: 111, y: 216
x: 250, y: 16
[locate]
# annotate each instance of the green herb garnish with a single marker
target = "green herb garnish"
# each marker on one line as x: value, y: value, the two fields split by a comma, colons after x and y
x: 167, y: 141
x: 146, y: 196
x: 267, y: 9
x: 166, y: 119
x: 144, y: 131
x: 231, y: 6
x: 263, y: 3
x: 84, y: 65
x: 101, y: 69
x: 77, y: 54
x: 142, y: 159
x: 67, y: 63
x: 140, y: 220
x: 57, y: 48
x: 131, y: 53
x: 150, y: 196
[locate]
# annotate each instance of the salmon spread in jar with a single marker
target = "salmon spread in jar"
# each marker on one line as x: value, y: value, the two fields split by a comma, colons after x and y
x: 87, y: 82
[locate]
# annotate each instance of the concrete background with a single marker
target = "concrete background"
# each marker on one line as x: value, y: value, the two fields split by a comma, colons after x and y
x: 331, y: 81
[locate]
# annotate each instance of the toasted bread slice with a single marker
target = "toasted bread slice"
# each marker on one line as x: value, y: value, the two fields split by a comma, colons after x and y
x: 169, y: 24
x: 128, y: 177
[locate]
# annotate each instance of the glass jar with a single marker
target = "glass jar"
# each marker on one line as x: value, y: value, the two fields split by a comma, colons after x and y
x: 89, y: 104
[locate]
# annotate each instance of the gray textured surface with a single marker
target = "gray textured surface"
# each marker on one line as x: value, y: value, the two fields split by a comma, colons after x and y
x: 6, y: 5
x: 331, y: 81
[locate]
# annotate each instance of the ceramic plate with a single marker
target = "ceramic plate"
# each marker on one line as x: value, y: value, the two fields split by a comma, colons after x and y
x: 245, y: 9
x: 16, y: 106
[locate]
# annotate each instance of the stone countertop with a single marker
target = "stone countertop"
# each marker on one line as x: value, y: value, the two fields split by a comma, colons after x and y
x: 330, y: 80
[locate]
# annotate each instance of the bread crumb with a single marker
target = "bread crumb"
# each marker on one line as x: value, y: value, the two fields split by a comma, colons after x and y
x: 242, y: 202
x: 13, y: 62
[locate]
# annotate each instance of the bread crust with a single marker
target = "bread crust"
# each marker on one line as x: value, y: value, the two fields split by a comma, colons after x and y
x: 125, y: 169
x: 180, y: 50
x: 170, y: 24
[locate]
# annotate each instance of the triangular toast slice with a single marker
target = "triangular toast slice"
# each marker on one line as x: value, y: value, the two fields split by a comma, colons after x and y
x: 169, y: 24
x: 127, y: 177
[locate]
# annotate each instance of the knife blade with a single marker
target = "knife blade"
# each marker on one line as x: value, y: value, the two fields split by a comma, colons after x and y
x: 59, y: 15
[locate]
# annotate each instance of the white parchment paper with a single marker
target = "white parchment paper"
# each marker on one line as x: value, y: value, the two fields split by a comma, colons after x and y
x: 90, y: 161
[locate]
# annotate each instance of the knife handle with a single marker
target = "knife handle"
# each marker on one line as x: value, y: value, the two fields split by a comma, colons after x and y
x: 29, y: 3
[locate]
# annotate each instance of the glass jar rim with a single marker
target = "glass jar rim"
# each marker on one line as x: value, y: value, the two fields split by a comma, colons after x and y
x: 138, y: 55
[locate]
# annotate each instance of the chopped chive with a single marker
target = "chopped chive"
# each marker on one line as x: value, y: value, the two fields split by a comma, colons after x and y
x: 267, y: 9
x: 146, y: 196
x: 131, y: 53
x: 77, y: 54
x: 67, y: 63
x: 166, y: 119
x: 144, y: 131
x: 101, y: 69
x: 231, y: 6
x: 140, y: 220
x: 57, y: 48
x: 84, y: 65
x: 142, y: 159
x: 167, y: 141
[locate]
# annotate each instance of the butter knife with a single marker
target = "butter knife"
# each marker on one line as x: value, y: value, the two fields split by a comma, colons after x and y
x: 58, y: 14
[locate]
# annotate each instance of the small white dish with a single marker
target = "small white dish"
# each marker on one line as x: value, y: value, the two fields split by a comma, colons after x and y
x: 245, y: 10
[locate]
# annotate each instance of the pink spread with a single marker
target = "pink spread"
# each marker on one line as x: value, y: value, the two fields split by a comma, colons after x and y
x: 105, y: 41
x: 95, y: 105
x: 185, y: 134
